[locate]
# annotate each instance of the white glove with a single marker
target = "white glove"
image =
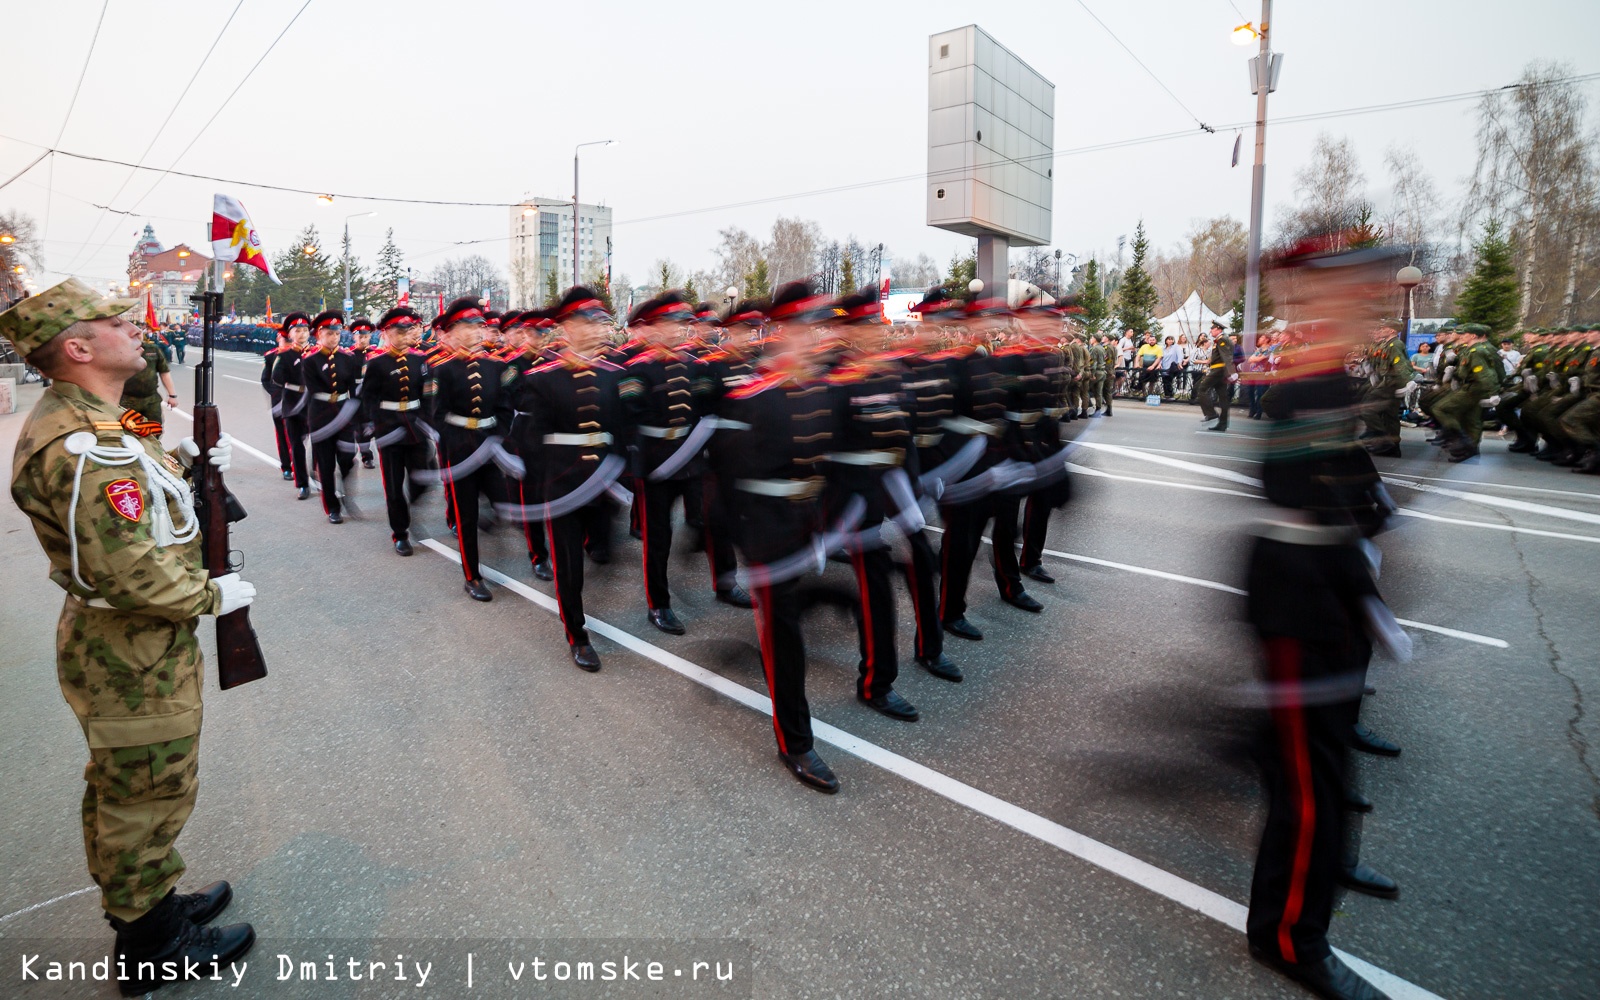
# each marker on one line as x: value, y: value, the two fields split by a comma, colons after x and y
x: 1493, y: 401
x: 1526, y: 372
x: 1385, y: 631
x: 1554, y: 379
x: 1449, y: 356
x: 236, y: 593
x: 1403, y: 390
x: 1572, y: 384
x: 1450, y: 372
x: 1232, y: 379
x: 1530, y: 383
x: 221, y: 452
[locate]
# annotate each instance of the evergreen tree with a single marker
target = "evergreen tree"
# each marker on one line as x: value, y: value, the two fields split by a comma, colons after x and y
x: 552, y: 291
x: 847, y: 277
x: 391, y: 268
x: 1137, y: 298
x: 1092, y: 300
x: 307, y: 275
x: 361, y: 292
x: 962, y: 271
x: 1364, y: 234
x: 691, y: 292
x: 1263, y: 311
x: 757, y: 284
x: 1490, y: 295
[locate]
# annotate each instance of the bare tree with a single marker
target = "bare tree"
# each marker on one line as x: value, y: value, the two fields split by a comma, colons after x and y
x: 736, y: 257
x: 471, y: 277
x: 22, y: 249
x: 1330, y: 191
x: 1536, y: 173
x: 919, y: 273
x: 792, y: 252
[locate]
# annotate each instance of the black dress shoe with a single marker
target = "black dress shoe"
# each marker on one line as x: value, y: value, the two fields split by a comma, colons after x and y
x: 585, y: 657
x: 1025, y: 602
x: 1369, y: 690
x: 1038, y: 573
x: 366, y: 462
x: 542, y: 570
x: 1329, y: 978
x: 336, y: 518
x: 1363, y: 739
x: 203, y: 907
x: 1356, y: 802
x: 666, y: 621
x: 942, y: 667
x: 963, y: 629
x: 1390, y: 451
x: 811, y: 770
x: 736, y: 597
x: 166, y: 943
x: 304, y: 494
x: 1463, y: 455
x: 599, y: 556
x: 1363, y: 878
x: 892, y: 704
x: 288, y: 474
x: 477, y: 590
x: 403, y: 546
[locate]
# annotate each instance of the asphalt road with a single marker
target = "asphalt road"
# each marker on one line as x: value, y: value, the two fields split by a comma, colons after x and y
x: 423, y: 774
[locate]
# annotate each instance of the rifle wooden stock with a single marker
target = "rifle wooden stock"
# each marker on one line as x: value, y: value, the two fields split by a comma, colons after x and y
x: 239, y: 658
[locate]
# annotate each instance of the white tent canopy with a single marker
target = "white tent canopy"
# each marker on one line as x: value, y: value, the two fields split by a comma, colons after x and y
x: 1192, y: 319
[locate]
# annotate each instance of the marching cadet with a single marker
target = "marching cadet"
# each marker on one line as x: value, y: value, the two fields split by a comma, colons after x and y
x: 280, y: 430
x: 1108, y: 381
x: 392, y: 394
x: 1389, y: 378
x: 770, y: 451
x: 1477, y: 374
x: 523, y: 335
x: 1528, y: 380
x: 723, y: 369
x: 330, y: 376
x: 872, y: 444
x: 472, y: 399
x: 104, y: 500
x: 656, y: 394
x: 291, y: 383
x: 567, y: 422
x: 362, y: 349
x: 1041, y: 324
x: 142, y: 394
x: 1561, y: 449
x: 1096, y: 375
x: 1581, y: 422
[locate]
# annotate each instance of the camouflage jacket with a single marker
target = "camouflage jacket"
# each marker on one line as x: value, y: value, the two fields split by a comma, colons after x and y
x: 117, y: 553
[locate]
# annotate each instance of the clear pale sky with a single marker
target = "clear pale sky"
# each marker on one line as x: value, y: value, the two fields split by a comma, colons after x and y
x: 710, y: 104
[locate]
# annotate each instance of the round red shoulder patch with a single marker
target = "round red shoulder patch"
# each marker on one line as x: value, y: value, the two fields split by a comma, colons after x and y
x: 126, y: 498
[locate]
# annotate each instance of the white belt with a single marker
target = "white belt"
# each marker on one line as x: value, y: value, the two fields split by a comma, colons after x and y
x: 664, y: 433
x: 885, y: 457
x: 330, y: 397
x: 594, y: 440
x: 1056, y: 411
x: 928, y: 440
x: 295, y: 388
x: 1023, y: 418
x: 470, y: 423
x: 787, y: 489
x: 967, y: 425
x: 404, y: 404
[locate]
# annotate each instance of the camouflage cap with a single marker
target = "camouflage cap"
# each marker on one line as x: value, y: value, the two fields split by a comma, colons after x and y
x: 34, y: 321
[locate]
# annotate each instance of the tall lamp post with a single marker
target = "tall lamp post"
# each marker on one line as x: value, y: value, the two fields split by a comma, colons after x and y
x: 575, y: 240
x: 348, y: 304
x: 1408, y: 277
x: 1263, y: 80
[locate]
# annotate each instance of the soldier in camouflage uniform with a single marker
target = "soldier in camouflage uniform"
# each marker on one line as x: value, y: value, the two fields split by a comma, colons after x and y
x: 1581, y: 422
x: 114, y: 515
x: 1108, y: 378
x: 142, y: 393
x: 1390, y: 376
x: 1477, y: 376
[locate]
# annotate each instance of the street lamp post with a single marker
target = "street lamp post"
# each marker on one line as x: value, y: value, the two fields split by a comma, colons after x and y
x: 1408, y: 277
x: 1263, y: 80
x: 597, y: 142
x: 347, y: 303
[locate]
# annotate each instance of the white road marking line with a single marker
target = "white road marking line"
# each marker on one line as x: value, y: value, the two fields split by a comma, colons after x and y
x: 1502, y: 486
x: 1084, y: 470
x: 1193, y: 454
x: 263, y: 456
x: 1141, y: 873
x: 237, y: 378
x: 40, y: 906
x: 1408, y: 512
x: 1507, y: 503
x: 1176, y: 463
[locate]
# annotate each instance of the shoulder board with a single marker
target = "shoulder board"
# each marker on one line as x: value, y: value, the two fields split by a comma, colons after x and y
x: 758, y: 384
x: 545, y: 367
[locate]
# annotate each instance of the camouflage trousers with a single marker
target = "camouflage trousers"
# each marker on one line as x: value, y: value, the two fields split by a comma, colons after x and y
x: 134, y: 682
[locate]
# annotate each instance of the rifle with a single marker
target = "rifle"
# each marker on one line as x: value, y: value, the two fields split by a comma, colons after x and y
x: 239, y: 658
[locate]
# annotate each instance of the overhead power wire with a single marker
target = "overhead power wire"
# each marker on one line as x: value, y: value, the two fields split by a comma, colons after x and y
x: 95, y: 229
x: 1150, y: 72
x: 71, y: 105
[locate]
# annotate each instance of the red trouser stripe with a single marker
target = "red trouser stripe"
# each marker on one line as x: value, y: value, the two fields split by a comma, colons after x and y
x: 860, y: 563
x: 1283, y: 665
x: 455, y: 515
x: 763, y: 602
x: 641, y: 518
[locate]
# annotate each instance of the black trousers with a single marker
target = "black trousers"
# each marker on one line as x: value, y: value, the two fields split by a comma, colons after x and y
x: 462, y: 494
x: 653, y: 499
x: 534, y: 531
x: 783, y: 659
x: 1035, y: 528
x: 920, y: 573
x: 280, y: 434
x: 332, y: 462
x: 879, y: 665
x: 295, y: 428
x: 396, y: 463
x: 963, y: 534
x: 566, y: 536
x: 715, y: 523
x: 1303, y: 768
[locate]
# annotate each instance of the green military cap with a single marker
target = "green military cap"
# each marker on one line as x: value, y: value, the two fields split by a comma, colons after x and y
x: 35, y: 321
x: 1474, y: 328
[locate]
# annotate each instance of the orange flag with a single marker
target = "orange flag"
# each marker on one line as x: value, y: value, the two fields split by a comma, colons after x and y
x: 269, y: 310
x: 150, y: 314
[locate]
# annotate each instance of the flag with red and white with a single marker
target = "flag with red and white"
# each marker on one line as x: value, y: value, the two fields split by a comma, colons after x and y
x: 234, y: 239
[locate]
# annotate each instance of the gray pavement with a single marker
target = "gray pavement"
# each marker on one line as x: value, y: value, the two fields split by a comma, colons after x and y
x: 424, y: 774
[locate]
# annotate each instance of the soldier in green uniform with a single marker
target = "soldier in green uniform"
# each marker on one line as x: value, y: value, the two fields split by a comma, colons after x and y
x: 1521, y: 388
x: 1580, y: 423
x: 1476, y: 376
x: 1217, y: 383
x: 142, y: 394
x: 1108, y: 380
x: 115, y: 517
x: 1390, y: 375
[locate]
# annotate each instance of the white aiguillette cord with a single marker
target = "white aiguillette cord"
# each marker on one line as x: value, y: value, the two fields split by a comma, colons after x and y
x: 164, y: 486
